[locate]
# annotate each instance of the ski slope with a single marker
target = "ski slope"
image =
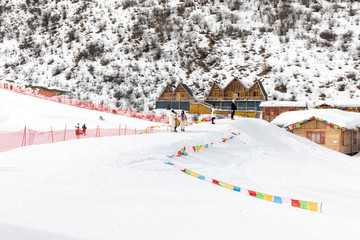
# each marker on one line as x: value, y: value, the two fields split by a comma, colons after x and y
x: 17, y: 110
x: 119, y: 187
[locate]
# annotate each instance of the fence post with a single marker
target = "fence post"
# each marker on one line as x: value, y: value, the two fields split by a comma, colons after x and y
x: 135, y: 131
x: 52, y: 135
x: 125, y: 130
x: 119, y: 129
x: 24, y: 138
x: 97, y: 130
x: 65, y: 132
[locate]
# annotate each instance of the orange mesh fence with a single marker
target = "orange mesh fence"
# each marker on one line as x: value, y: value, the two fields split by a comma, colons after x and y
x: 88, y: 105
x: 26, y: 137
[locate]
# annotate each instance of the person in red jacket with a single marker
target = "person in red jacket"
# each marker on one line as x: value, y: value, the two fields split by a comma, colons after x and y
x: 77, y: 130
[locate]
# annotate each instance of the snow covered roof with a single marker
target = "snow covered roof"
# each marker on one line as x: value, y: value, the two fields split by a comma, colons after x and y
x: 187, y: 89
x: 283, y: 104
x: 339, y: 104
x: 263, y: 90
x: 172, y: 87
x: 247, y: 86
x: 347, y: 120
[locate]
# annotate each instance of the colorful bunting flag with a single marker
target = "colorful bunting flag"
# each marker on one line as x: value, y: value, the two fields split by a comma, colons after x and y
x: 311, y: 206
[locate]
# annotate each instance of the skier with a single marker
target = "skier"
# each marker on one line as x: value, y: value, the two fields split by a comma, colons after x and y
x: 84, y: 129
x: 233, y: 108
x: 172, y: 117
x: 212, y: 111
x: 183, y: 118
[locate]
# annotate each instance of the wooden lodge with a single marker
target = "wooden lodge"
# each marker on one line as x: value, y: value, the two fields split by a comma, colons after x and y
x: 247, y: 98
x: 350, y: 106
x: 272, y: 109
x: 175, y: 97
x: 331, y: 128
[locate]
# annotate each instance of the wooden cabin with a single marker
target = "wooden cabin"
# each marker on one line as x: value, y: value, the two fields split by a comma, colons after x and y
x: 331, y: 128
x: 272, y: 109
x: 350, y: 106
x: 247, y: 98
x: 175, y: 97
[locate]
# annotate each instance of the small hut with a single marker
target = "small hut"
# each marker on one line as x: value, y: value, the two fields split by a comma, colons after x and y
x: 331, y: 128
x: 272, y: 109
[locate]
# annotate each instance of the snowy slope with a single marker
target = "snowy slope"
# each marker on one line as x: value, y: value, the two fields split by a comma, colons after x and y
x: 119, y: 187
x: 18, y: 110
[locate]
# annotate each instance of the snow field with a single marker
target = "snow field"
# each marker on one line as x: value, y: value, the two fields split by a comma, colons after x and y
x: 119, y: 187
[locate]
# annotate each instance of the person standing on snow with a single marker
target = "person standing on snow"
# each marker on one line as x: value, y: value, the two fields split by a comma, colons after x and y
x: 77, y: 130
x: 212, y: 111
x: 172, y: 117
x: 183, y: 118
x: 84, y: 129
x: 233, y: 108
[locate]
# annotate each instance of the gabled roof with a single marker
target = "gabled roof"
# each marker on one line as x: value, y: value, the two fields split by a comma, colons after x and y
x: 263, y: 90
x: 167, y: 85
x: 187, y: 89
x: 217, y: 84
x: 346, y: 120
x: 261, y: 87
x: 235, y: 78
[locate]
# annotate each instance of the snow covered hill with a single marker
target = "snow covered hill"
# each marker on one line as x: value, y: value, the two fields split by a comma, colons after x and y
x: 124, y: 52
x: 120, y: 188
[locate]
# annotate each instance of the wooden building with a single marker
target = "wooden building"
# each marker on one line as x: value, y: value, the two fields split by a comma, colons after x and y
x: 272, y: 109
x: 247, y: 98
x: 350, y: 106
x: 331, y: 128
x: 175, y: 97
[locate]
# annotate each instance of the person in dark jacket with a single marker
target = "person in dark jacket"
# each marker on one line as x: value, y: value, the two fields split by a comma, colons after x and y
x: 84, y: 129
x: 233, y: 108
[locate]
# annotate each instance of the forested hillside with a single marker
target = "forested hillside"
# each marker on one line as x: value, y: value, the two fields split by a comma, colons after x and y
x: 124, y: 52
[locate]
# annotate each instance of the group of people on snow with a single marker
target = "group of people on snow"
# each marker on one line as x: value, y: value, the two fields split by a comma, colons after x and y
x: 176, y: 121
x: 6, y: 85
x: 80, y: 131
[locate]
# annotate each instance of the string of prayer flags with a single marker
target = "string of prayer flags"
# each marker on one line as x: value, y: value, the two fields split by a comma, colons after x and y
x: 306, y: 205
x: 298, y: 124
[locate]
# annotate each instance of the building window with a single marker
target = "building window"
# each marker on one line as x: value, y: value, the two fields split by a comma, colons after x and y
x: 229, y: 94
x: 242, y: 94
x: 318, y: 137
x: 355, y: 137
x: 182, y: 95
x: 215, y: 94
x: 256, y: 93
x: 237, y: 95
x: 267, y: 111
x: 276, y: 111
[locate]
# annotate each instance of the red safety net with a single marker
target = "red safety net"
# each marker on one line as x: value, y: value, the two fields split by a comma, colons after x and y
x: 87, y: 105
x: 26, y: 137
